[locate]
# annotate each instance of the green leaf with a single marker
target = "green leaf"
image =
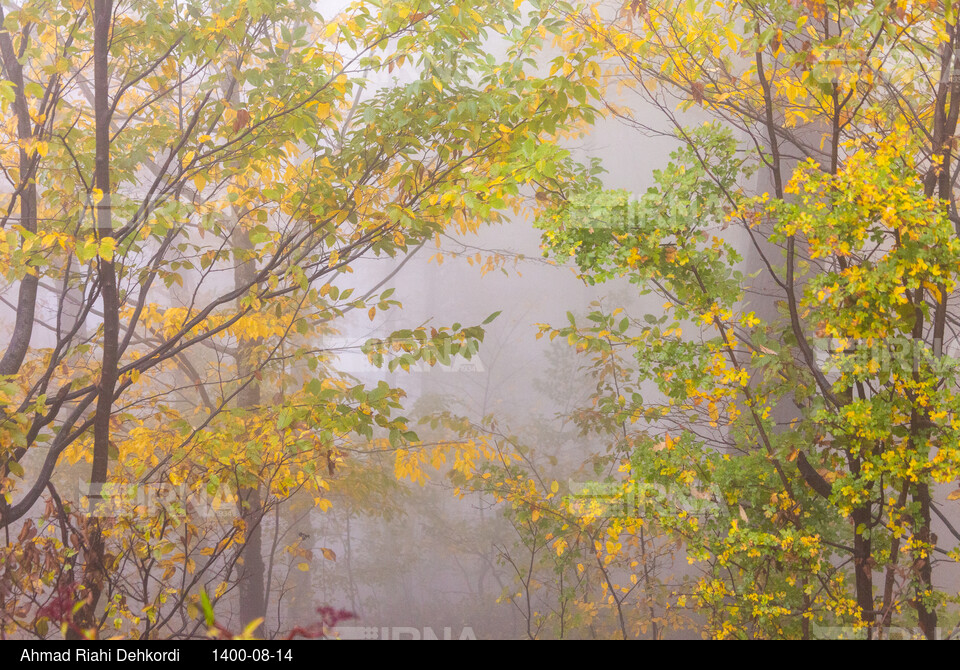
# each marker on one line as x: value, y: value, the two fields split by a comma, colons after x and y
x: 15, y: 468
x: 490, y: 318
x: 207, y: 607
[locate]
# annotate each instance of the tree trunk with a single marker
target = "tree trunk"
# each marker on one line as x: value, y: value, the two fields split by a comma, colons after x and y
x: 862, y: 570
x: 95, y: 568
x: 926, y: 615
x: 27, y: 299
x: 252, y: 568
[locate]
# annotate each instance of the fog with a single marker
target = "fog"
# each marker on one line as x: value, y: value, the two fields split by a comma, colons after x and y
x: 316, y: 408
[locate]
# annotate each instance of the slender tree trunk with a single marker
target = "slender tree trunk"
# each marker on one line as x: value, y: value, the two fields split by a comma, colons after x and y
x: 252, y: 568
x: 301, y: 605
x: 862, y: 571
x: 95, y: 568
x: 926, y: 615
x: 27, y: 299
x: 890, y: 579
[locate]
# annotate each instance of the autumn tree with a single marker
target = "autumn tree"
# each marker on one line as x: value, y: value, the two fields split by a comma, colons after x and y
x: 804, y: 243
x: 188, y: 187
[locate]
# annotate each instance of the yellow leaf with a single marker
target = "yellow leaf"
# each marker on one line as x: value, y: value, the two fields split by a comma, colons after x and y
x: 954, y: 495
x: 303, y: 566
x: 328, y: 554
x: 107, y: 246
x: 250, y: 629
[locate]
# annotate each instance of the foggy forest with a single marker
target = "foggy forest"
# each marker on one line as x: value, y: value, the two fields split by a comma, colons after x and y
x: 500, y: 319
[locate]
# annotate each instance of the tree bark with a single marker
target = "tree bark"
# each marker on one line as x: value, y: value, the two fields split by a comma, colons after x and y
x: 251, y: 570
x: 27, y: 299
x: 95, y: 569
